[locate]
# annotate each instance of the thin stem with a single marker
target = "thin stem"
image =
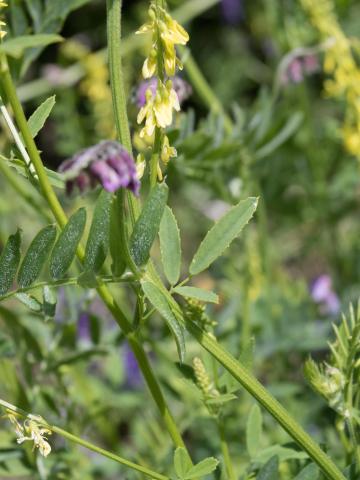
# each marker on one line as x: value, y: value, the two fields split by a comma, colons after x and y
x: 127, y: 278
x: 225, y: 451
x: 79, y: 441
x: 259, y: 392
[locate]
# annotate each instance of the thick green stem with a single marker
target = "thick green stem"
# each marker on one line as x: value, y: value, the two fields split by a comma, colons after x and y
x: 258, y: 391
x: 79, y: 441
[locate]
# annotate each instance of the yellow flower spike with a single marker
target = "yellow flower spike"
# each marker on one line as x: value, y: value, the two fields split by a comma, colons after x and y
x: 174, y: 32
x: 149, y: 66
x: 147, y: 113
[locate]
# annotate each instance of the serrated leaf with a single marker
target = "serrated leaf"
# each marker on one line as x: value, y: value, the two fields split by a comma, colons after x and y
x: 202, y: 468
x: 270, y: 471
x: 9, y: 262
x: 182, y: 462
x: 36, y: 256
x: 159, y: 301
x: 170, y: 246
x: 310, y: 472
x: 65, y: 248
x: 29, y: 301
x: 222, y: 234
x: 97, y: 245
x: 116, y: 249
x: 147, y: 225
x: 39, y: 117
x: 15, y: 47
x: 198, y: 293
x: 254, y: 430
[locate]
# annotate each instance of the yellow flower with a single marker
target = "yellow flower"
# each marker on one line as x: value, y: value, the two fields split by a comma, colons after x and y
x: 173, y: 31
x: 140, y: 165
x: 165, y: 101
x: 149, y: 66
x: 167, y: 151
x: 147, y: 113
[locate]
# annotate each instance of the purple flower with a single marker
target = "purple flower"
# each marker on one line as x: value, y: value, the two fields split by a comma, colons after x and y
x: 323, y: 294
x: 299, y: 67
x: 107, y: 163
x: 232, y: 11
x: 83, y: 326
x: 181, y: 87
x: 132, y: 371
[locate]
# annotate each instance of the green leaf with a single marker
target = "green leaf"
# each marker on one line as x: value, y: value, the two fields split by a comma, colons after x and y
x: 222, y: 234
x: 310, y: 472
x: 49, y: 302
x: 116, y: 249
x: 98, y: 241
x: 182, y: 462
x: 160, y: 302
x: 221, y: 399
x: 283, y: 453
x: 198, y: 293
x: 29, y: 301
x: 270, y: 471
x: 202, y: 468
x: 254, y: 430
x: 39, y: 117
x: 65, y: 248
x: 36, y: 256
x: 147, y: 225
x: 9, y: 262
x: 15, y: 47
x: 170, y: 246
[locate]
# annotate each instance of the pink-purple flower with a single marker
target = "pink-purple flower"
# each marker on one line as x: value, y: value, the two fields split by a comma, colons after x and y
x: 323, y: 294
x: 300, y: 67
x: 108, y: 163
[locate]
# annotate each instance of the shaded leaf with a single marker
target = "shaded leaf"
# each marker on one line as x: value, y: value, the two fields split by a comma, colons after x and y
x: 270, y: 471
x: 98, y: 241
x: 147, y: 225
x: 160, y: 302
x: 310, y: 472
x: 9, y: 262
x: 222, y: 234
x: 49, y: 302
x: 198, y: 293
x: 254, y: 430
x: 39, y: 117
x: 65, y: 248
x: 15, y: 47
x: 36, y: 256
x: 170, y: 246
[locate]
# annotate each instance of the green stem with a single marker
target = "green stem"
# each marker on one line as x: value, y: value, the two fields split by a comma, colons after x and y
x: 225, y: 451
x: 65, y: 282
x: 79, y: 441
x: 104, y: 293
x: 258, y: 391
x: 203, y: 88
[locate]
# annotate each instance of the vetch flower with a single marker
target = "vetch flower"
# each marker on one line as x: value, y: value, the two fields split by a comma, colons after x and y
x: 107, y: 163
x: 323, y: 294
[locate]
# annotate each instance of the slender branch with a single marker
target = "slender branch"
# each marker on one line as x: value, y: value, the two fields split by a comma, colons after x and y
x: 127, y: 278
x: 225, y: 451
x: 84, y: 443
